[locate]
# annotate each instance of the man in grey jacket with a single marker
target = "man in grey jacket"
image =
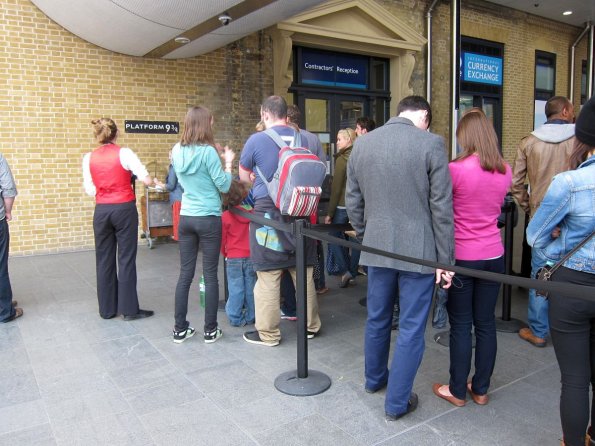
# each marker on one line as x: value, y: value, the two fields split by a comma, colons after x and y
x: 541, y: 155
x: 399, y: 199
x: 8, y: 190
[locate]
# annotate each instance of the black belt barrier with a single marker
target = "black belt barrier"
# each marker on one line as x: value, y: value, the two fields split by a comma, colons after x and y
x: 304, y: 382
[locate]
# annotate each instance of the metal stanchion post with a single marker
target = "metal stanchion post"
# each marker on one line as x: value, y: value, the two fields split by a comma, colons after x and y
x: 506, y: 324
x: 301, y: 382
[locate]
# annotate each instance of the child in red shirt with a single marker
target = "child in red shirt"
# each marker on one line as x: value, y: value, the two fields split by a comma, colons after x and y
x: 235, y: 247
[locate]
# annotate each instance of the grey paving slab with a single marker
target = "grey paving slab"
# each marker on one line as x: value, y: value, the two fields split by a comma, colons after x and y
x: 10, y: 336
x: 200, y: 422
x: 121, y: 429
x: 78, y: 357
x: 41, y: 435
x: 22, y: 416
x: 69, y: 377
x: 53, y: 387
x: 232, y: 384
x: 313, y: 430
x: 127, y: 351
x: 18, y: 385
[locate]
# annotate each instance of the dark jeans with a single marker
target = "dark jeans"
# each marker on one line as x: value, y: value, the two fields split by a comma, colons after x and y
x: 472, y: 302
x: 206, y: 232
x: 116, y: 234
x: 346, y: 262
x: 572, y: 326
x: 6, y: 310
x: 415, y: 299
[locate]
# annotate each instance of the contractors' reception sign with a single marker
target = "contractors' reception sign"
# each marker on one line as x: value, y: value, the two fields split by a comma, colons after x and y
x: 482, y: 69
x: 334, y: 69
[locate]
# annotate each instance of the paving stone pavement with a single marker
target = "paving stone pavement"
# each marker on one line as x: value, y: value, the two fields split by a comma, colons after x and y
x: 69, y: 377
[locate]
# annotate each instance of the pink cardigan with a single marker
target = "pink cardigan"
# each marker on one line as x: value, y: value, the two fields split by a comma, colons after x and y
x: 477, y: 199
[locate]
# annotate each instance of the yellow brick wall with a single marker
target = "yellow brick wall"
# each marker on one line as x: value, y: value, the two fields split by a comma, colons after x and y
x: 521, y: 34
x: 52, y: 84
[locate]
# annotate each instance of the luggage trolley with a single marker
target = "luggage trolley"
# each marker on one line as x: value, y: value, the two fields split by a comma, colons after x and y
x: 156, y: 214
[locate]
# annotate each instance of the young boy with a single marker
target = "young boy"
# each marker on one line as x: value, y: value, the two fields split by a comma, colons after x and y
x: 235, y: 247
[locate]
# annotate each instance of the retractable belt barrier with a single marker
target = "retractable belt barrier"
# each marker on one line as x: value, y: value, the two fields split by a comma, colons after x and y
x: 303, y: 382
x: 320, y: 232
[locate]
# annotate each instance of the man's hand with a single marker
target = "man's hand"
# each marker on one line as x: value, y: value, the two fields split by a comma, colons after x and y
x: 444, y: 278
x: 328, y: 220
x: 8, y: 216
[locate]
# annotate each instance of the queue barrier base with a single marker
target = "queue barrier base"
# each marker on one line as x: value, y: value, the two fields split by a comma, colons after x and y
x: 313, y: 384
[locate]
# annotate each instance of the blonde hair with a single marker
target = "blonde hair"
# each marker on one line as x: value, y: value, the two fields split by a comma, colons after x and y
x: 348, y: 133
x: 105, y: 130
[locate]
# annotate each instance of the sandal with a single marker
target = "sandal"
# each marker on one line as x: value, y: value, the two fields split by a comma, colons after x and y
x: 18, y: 312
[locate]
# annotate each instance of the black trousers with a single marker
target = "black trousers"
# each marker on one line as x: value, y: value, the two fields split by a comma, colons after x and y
x: 572, y: 326
x: 206, y: 233
x: 116, y: 238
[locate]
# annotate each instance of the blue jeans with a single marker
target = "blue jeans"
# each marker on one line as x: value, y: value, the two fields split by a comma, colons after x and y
x: 240, y: 286
x: 472, y: 302
x: 6, y: 310
x: 345, y: 262
x: 415, y: 299
x: 206, y: 232
x: 538, y: 306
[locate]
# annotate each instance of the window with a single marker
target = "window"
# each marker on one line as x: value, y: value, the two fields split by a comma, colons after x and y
x: 545, y: 75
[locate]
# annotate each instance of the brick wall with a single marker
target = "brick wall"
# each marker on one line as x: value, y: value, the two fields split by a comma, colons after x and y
x: 521, y: 34
x: 53, y: 84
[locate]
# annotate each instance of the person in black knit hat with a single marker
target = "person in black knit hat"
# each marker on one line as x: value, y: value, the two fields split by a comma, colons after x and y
x: 566, y: 218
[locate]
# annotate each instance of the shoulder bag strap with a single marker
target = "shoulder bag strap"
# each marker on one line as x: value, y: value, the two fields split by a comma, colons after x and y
x: 570, y: 254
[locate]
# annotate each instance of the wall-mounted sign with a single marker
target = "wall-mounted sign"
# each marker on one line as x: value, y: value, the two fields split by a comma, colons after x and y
x: 482, y: 69
x: 334, y: 70
x: 151, y: 127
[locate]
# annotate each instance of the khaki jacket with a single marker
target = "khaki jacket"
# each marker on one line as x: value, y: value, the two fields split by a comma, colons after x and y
x: 540, y: 156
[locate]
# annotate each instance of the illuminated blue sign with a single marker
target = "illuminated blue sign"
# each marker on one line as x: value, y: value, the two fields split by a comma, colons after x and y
x: 482, y: 69
x: 334, y: 70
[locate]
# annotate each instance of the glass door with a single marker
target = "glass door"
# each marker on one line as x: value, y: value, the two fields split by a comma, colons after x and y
x: 326, y: 114
x: 490, y: 106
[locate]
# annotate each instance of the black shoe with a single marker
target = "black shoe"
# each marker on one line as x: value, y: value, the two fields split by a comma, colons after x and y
x: 140, y: 315
x: 411, y: 406
x: 254, y: 338
x: 312, y: 334
x: 107, y: 317
x: 182, y: 335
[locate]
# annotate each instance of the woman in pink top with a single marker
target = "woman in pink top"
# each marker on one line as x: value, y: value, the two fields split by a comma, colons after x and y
x: 480, y: 180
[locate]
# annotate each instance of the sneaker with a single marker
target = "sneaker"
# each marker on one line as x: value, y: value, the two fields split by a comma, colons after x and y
x: 254, y: 338
x: 287, y: 317
x: 212, y: 336
x: 312, y: 334
x: 181, y: 336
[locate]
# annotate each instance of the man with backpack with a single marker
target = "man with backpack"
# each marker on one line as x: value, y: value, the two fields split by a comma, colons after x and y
x: 270, y: 250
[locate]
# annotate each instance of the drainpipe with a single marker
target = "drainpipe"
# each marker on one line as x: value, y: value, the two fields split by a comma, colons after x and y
x: 455, y: 9
x: 429, y: 52
x: 572, y: 51
x: 590, y: 68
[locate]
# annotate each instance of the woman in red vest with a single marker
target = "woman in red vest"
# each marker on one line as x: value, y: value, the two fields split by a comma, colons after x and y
x: 107, y: 174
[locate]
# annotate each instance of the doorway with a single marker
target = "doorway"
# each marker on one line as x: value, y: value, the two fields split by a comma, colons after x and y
x: 325, y: 114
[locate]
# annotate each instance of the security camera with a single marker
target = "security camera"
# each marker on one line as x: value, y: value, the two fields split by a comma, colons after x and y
x: 225, y: 18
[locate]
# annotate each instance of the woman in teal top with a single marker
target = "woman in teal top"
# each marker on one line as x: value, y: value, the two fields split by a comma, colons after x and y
x: 197, y: 165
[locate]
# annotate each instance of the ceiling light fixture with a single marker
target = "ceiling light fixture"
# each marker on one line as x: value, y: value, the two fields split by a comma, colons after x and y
x: 567, y: 13
x: 182, y: 40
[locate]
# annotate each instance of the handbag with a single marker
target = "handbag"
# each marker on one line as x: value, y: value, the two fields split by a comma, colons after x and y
x: 545, y: 273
